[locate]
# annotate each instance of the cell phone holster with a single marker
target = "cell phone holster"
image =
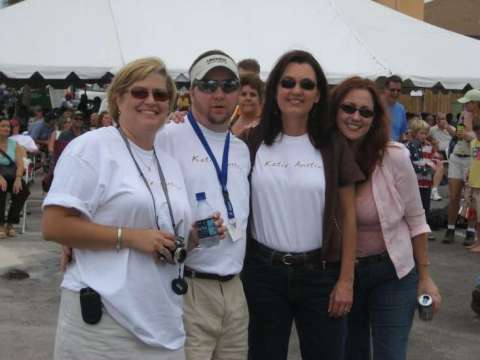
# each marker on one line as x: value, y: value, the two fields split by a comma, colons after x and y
x: 91, y: 305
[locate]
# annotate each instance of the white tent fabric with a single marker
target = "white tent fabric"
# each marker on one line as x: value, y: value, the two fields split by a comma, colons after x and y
x: 348, y: 37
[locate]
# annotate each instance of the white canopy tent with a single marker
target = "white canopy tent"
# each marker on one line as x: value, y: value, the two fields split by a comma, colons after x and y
x: 90, y: 38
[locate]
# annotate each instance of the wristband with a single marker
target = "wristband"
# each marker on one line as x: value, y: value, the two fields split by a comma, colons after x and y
x: 119, y: 243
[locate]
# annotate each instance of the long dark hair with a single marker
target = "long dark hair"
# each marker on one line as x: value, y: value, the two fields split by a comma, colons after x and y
x: 370, y: 151
x: 319, y: 124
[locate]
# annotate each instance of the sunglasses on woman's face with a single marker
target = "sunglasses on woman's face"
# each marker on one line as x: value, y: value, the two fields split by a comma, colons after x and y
x: 352, y: 109
x: 305, y: 84
x: 141, y: 93
x: 210, y: 86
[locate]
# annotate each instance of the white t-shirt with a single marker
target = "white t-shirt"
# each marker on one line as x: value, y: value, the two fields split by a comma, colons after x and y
x: 181, y: 142
x: 288, y: 195
x: 442, y: 136
x: 97, y: 176
x: 26, y: 141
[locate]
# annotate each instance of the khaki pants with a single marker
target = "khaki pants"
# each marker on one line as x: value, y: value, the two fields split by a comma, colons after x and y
x: 216, y: 320
x: 76, y: 340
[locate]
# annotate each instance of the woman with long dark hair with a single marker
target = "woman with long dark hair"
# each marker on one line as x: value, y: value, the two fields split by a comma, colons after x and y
x: 301, y: 252
x: 392, y: 257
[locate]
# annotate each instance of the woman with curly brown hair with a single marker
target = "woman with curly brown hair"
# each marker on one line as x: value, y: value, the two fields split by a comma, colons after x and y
x: 392, y: 258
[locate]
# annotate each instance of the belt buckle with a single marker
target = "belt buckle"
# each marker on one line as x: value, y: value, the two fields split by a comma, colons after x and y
x: 285, y: 259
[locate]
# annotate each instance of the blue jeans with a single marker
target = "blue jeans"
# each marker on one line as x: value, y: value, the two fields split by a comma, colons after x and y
x: 277, y: 295
x: 382, y: 312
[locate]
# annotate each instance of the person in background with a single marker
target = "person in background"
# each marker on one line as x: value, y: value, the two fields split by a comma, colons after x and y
x: 76, y: 129
x: 473, y: 183
x: 392, y: 91
x: 11, y: 157
x: 93, y: 123
x: 459, y: 159
x: 424, y: 164
x: 67, y: 102
x: 62, y: 124
x: 429, y: 118
x: 104, y: 119
x: 41, y: 131
x: 37, y: 117
x: 392, y: 257
x: 249, y: 103
x: 442, y: 132
x: 301, y: 253
x: 24, y: 140
x: 249, y: 66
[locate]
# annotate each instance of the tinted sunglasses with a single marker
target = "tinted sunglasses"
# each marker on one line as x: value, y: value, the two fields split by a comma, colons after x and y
x: 210, y: 86
x: 305, y: 84
x: 395, y: 90
x: 351, y: 109
x: 142, y: 93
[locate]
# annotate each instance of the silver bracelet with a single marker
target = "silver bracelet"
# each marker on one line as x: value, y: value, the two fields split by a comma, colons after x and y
x: 119, y: 244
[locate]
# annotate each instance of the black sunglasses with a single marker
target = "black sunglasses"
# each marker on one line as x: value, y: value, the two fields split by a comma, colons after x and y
x: 351, y: 109
x: 210, y: 86
x: 142, y: 93
x: 305, y: 84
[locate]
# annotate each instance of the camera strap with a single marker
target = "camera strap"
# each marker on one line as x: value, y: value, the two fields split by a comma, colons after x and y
x: 179, y: 285
x: 162, y: 181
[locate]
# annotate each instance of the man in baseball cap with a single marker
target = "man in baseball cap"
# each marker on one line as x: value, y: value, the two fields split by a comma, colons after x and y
x: 215, y: 308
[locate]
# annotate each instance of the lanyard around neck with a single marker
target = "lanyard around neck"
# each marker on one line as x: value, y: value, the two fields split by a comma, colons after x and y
x: 222, y: 173
x: 162, y: 181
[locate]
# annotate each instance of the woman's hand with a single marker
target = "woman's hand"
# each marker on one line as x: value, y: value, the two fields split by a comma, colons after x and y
x: 177, y: 116
x: 157, y: 243
x: 3, y: 184
x: 17, y: 185
x: 427, y: 286
x: 341, y: 299
x: 193, y: 241
x: 66, y: 258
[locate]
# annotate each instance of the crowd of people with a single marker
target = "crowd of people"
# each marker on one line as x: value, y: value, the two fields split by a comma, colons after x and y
x: 312, y: 192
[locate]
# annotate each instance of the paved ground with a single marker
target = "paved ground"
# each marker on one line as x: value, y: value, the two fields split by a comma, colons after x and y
x: 28, y: 308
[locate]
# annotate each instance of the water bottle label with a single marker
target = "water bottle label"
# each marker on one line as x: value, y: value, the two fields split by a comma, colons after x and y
x: 206, y: 228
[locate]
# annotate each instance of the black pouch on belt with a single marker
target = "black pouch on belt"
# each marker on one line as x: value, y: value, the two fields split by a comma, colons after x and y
x: 91, y: 305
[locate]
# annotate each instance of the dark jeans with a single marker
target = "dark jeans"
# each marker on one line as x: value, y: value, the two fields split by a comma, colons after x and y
x: 425, y: 196
x: 279, y: 294
x: 17, y: 201
x: 382, y: 312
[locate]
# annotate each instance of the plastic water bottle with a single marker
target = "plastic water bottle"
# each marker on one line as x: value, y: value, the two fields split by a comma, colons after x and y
x: 205, y: 224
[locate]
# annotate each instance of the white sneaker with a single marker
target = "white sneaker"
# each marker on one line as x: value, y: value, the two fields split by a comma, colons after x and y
x: 435, y: 195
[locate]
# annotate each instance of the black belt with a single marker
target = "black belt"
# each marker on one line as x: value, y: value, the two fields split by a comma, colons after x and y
x: 200, y: 275
x: 461, y: 155
x: 373, y: 259
x: 313, y: 257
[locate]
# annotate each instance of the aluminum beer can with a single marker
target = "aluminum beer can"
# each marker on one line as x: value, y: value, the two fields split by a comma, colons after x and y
x: 425, y: 307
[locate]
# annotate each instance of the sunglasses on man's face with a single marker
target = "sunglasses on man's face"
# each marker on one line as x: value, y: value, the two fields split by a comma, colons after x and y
x: 141, y: 93
x: 351, y: 109
x: 305, y: 84
x: 395, y: 90
x: 210, y: 86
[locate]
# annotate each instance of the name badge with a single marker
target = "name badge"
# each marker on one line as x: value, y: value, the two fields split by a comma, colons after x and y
x: 234, y: 230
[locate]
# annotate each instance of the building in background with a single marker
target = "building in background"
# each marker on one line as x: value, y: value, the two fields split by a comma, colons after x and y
x: 414, y: 8
x: 461, y: 16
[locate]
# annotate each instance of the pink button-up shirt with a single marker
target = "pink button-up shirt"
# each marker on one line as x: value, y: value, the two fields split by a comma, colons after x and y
x: 397, y: 197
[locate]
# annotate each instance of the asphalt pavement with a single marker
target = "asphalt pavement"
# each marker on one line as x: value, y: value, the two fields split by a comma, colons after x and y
x: 28, y: 308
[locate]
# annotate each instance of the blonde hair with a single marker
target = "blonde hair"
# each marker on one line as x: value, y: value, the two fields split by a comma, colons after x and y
x: 132, y: 72
x: 417, y: 124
